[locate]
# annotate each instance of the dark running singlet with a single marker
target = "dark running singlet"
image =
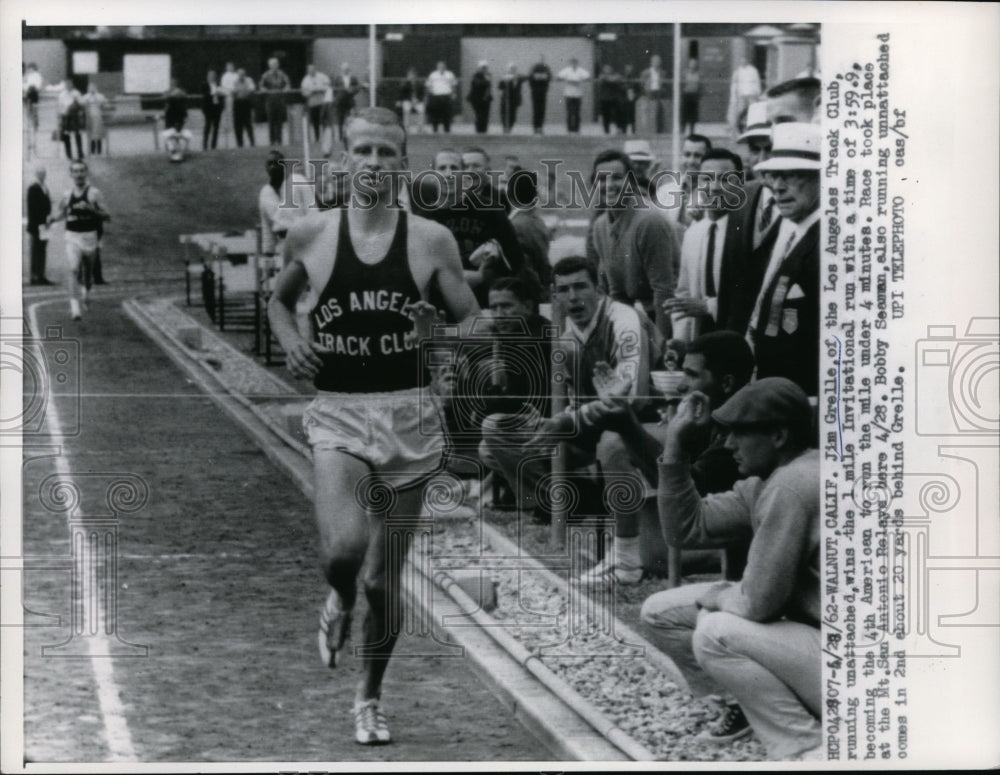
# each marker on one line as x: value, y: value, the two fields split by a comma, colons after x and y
x: 79, y: 214
x: 360, y: 317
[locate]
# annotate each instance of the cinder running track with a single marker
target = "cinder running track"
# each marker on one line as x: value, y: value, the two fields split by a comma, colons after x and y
x: 216, y: 587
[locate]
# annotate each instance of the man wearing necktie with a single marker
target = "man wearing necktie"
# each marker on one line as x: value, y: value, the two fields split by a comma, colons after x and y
x: 704, y: 283
x: 784, y: 324
x: 761, y: 212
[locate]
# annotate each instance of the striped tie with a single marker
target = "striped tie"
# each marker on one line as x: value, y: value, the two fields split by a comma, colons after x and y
x: 766, y: 217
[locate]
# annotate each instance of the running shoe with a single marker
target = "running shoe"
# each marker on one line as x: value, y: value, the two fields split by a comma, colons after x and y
x: 334, y: 629
x: 370, y: 727
x: 606, y: 572
x: 731, y: 725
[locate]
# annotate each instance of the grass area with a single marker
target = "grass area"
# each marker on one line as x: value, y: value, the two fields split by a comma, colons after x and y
x: 153, y: 201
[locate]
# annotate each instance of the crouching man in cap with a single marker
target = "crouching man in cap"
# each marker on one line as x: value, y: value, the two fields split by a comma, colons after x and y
x: 758, y: 639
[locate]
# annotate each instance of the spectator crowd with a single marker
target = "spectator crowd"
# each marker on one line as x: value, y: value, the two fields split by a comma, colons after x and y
x: 231, y: 101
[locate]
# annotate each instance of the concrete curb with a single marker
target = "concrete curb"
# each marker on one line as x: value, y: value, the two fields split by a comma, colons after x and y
x: 568, y: 731
x: 564, y: 731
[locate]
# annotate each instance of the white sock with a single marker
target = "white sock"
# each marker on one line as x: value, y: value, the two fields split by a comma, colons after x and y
x: 74, y: 308
x: 627, y: 553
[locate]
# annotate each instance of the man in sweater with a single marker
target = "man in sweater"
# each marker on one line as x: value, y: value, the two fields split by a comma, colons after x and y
x: 757, y: 640
x: 637, y: 250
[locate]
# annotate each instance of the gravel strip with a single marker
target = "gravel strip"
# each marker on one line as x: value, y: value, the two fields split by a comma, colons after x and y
x: 234, y: 369
x: 612, y: 675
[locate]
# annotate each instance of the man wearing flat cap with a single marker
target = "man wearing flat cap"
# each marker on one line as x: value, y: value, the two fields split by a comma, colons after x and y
x: 783, y: 326
x: 758, y: 639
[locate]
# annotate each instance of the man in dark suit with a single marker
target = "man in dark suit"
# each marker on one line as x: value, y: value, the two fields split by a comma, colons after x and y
x: 748, y: 227
x: 345, y: 88
x: 39, y: 209
x: 784, y: 323
x: 712, y: 255
x: 760, y: 214
x: 481, y: 95
x: 539, y: 80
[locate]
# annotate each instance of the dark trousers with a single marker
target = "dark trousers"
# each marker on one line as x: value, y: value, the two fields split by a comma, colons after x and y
x: 79, y: 144
x: 538, y: 109
x: 628, y: 116
x: 621, y: 114
x: 96, y: 146
x: 343, y: 108
x: 482, y: 110
x: 39, y: 250
x: 243, y: 121
x: 439, y: 111
x: 609, y: 114
x: 275, y: 122
x: 573, y: 114
x: 689, y: 112
x: 508, y: 114
x: 316, y: 121
x: 210, y: 135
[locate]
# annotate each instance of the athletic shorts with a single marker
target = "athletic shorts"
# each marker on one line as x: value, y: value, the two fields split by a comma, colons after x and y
x: 398, y: 435
x: 77, y: 244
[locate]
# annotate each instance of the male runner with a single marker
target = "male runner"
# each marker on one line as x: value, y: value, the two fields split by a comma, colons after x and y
x: 83, y: 208
x: 368, y: 426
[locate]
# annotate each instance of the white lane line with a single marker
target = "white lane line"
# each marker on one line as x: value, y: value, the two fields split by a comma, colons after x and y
x: 180, y: 396
x: 116, y: 730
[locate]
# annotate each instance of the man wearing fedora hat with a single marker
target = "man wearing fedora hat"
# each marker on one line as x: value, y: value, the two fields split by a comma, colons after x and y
x: 757, y: 136
x: 751, y: 224
x: 783, y: 327
x: 757, y: 640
